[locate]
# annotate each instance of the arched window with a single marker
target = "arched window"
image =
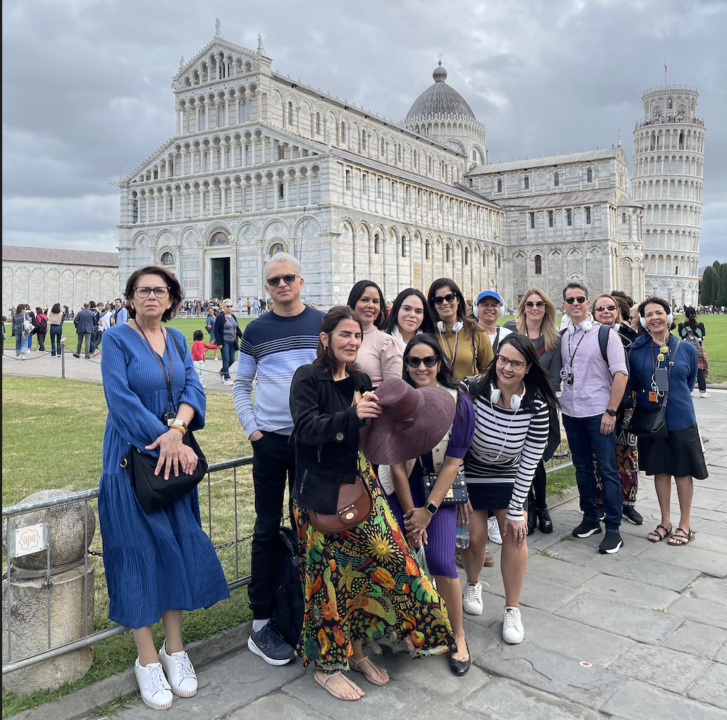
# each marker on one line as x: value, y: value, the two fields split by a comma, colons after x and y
x: 290, y: 113
x: 376, y: 244
x: 382, y: 151
x: 499, y: 184
x: 202, y: 120
x: 589, y: 175
x: 416, y: 160
x: 379, y: 188
x: 281, y: 191
x: 363, y: 140
x: 426, y: 250
x: 403, y: 245
x: 669, y: 104
x: 167, y: 258
x: 448, y: 254
x: 474, y: 156
x: 348, y: 179
x: 398, y: 152
x: 429, y: 165
x: 556, y: 178
x: 623, y: 217
x: 527, y: 182
x: 538, y: 265
x: 343, y: 132
x: 318, y: 123
x: 466, y: 256
x: 221, y: 116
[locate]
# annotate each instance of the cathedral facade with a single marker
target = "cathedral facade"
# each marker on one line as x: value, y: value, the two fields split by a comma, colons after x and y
x: 263, y: 163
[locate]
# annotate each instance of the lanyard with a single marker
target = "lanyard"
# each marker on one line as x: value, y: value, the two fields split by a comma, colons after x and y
x: 453, y: 357
x: 572, y: 356
x: 168, y: 382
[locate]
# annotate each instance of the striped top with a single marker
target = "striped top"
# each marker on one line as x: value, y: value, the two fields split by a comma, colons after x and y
x: 507, y: 447
x: 272, y: 348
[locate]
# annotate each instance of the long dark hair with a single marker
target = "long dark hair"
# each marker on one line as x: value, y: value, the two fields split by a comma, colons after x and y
x: 324, y: 354
x: 427, y: 325
x: 355, y: 295
x: 654, y: 301
x: 469, y: 324
x: 536, y: 381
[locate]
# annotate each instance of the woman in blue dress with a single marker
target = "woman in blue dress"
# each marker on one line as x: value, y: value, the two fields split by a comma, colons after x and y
x: 157, y: 563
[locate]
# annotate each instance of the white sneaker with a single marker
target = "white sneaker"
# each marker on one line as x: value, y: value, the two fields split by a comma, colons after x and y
x: 22, y: 357
x: 703, y: 394
x: 179, y: 670
x: 472, y: 599
x: 222, y: 379
x: 227, y: 381
x: 513, y: 631
x: 493, y: 531
x: 155, y: 690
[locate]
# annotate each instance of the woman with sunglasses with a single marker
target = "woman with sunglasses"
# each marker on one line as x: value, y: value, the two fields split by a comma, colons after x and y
x: 512, y: 409
x: 227, y: 332
x: 607, y: 311
x: 380, y: 356
x: 409, y: 315
x: 463, y: 341
x: 425, y: 367
x: 535, y: 318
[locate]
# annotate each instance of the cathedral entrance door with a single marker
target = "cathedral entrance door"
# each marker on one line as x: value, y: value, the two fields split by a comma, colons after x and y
x: 220, y: 277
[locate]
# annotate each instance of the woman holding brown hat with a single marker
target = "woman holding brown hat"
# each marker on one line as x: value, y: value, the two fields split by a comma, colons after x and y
x: 361, y: 583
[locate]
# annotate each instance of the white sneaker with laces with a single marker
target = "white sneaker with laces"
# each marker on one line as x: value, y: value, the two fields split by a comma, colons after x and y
x: 493, y: 531
x: 513, y: 631
x: 703, y: 394
x: 155, y: 690
x: 227, y: 381
x: 472, y: 599
x: 179, y: 670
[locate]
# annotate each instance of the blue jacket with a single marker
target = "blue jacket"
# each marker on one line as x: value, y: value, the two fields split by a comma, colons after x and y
x: 219, y: 330
x: 680, y: 407
x: 85, y: 321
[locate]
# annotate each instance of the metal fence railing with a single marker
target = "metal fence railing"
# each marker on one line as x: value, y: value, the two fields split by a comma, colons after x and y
x: 559, y: 461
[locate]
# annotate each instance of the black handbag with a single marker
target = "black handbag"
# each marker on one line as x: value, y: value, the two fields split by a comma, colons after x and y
x: 456, y: 495
x: 153, y: 491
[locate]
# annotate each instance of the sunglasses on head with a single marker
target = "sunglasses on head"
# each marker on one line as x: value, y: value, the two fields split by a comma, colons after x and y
x: 439, y: 299
x: 601, y: 308
x: 529, y: 304
x: 580, y: 299
x: 429, y: 361
x: 288, y: 279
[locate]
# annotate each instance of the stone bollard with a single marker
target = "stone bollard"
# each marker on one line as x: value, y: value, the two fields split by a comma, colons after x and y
x: 29, y: 597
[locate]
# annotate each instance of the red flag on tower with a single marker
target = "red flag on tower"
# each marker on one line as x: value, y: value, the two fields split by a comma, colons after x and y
x: 664, y: 67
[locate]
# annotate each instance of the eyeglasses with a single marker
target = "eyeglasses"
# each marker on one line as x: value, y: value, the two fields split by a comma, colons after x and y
x: 429, y: 361
x: 540, y: 303
x: 580, y: 299
x: 439, y: 299
x: 504, y: 361
x: 288, y: 279
x: 144, y: 292
x: 601, y: 308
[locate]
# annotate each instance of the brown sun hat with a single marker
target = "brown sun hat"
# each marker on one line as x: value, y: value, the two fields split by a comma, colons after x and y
x: 413, y: 421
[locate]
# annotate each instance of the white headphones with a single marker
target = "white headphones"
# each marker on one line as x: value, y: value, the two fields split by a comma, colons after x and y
x: 515, y: 400
x: 669, y: 320
x: 455, y: 328
x: 586, y: 325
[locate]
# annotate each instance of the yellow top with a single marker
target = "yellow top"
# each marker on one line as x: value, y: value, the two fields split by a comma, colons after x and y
x: 464, y: 359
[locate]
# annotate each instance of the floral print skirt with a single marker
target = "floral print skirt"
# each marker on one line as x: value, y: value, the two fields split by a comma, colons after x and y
x: 365, y: 584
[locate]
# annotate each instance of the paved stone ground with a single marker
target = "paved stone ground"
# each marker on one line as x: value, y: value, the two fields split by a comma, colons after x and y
x: 640, y: 635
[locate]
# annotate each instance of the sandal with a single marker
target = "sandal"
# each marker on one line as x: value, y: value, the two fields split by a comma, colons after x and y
x: 373, y: 675
x: 655, y: 536
x: 322, y: 679
x: 680, y: 537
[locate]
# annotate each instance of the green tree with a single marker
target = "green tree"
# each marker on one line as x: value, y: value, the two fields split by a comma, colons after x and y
x: 723, y: 284
x: 716, y: 282
x: 706, y: 286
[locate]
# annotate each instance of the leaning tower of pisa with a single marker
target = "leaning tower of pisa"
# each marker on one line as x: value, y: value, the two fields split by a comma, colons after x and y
x: 668, y: 174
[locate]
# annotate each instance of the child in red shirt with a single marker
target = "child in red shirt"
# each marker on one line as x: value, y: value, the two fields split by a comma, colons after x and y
x: 198, y: 352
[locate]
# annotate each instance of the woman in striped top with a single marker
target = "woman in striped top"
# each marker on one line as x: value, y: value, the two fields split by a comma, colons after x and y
x: 512, y: 407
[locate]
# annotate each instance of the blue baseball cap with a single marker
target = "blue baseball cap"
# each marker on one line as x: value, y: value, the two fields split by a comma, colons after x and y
x: 488, y: 294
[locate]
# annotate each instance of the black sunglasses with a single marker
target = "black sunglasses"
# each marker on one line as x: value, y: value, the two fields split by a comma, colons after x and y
x: 580, y: 299
x: 429, y: 361
x: 288, y: 279
x: 601, y: 308
x: 540, y: 303
x: 439, y: 299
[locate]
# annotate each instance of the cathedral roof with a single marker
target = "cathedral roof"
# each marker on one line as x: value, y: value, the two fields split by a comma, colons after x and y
x: 565, y: 199
x: 16, y: 253
x: 440, y: 99
x: 547, y: 161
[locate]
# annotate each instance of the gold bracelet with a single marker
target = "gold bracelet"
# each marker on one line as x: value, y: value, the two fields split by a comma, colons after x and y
x: 178, y: 427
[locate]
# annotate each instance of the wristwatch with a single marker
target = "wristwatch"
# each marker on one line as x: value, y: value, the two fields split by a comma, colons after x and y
x: 431, y: 507
x: 612, y: 413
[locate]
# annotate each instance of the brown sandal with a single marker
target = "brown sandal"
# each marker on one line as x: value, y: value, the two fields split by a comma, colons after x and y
x: 656, y: 534
x: 680, y: 537
x: 322, y: 679
x: 373, y: 674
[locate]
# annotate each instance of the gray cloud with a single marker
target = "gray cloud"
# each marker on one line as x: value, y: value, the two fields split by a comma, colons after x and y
x: 86, y: 84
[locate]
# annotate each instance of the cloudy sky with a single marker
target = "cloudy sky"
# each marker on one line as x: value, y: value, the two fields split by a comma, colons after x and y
x: 86, y: 84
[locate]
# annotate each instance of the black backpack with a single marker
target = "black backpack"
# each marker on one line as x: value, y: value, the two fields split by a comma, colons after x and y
x: 288, y: 602
x: 627, y: 401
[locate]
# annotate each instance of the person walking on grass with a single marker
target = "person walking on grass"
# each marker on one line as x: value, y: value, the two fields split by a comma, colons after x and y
x: 273, y: 347
x: 161, y: 562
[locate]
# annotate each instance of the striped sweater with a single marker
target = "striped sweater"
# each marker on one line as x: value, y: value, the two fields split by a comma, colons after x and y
x: 272, y: 348
x: 507, y: 447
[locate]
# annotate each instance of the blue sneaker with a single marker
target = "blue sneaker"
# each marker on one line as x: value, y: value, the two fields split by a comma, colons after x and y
x: 268, y: 644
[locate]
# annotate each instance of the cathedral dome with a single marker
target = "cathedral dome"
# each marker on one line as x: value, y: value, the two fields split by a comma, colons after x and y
x: 440, y: 99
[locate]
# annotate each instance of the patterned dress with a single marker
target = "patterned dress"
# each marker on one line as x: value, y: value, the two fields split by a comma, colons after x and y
x: 365, y: 584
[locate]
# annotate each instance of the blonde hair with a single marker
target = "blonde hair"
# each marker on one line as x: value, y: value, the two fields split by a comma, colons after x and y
x: 619, y: 315
x: 548, y: 329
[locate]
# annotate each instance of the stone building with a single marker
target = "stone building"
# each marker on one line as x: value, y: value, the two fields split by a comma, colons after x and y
x: 45, y: 276
x: 667, y: 179
x: 262, y: 163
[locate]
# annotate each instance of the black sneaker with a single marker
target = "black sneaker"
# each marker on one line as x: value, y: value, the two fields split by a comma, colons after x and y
x: 76, y: 355
x: 632, y: 514
x: 268, y: 644
x: 602, y: 515
x: 586, y: 529
x: 610, y: 544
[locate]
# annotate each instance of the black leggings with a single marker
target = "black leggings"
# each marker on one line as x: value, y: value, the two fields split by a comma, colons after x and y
x: 536, y: 496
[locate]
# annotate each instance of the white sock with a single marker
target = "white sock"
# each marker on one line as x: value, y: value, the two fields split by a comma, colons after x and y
x: 258, y: 625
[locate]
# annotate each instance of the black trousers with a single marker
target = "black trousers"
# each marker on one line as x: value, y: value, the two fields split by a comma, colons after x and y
x: 273, y: 467
x: 536, y: 496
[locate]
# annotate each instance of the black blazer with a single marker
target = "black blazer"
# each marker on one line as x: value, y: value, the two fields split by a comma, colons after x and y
x: 326, y: 434
x: 218, y: 333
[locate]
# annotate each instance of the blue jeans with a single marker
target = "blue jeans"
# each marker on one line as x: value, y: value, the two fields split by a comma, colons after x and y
x: 19, y: 344
x: 228, y: 357
x: 56, y: 332
x: 585, y: 440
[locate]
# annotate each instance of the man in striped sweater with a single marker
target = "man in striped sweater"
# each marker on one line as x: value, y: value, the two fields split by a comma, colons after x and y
x: 273, y: 347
